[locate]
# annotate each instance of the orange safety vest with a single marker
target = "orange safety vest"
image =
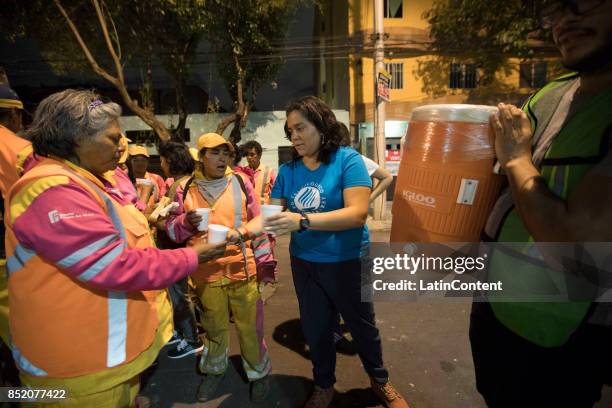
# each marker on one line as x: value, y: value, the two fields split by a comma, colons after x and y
x: 14, y: 151
x: 229, y: 210
x: 59, y: 326
x: 262, y: 180
x: 11, y: 148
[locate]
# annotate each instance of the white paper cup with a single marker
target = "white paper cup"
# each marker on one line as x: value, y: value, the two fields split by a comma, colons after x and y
x: 143, y: 181
x: 217, y: 233
x: 268, y: 210
x: 204, y: 213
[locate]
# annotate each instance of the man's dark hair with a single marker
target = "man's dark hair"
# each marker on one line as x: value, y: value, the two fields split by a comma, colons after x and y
x: 177, y: 155
x: 5, y: 115
x: 252, y: 144
x: 321, y: 116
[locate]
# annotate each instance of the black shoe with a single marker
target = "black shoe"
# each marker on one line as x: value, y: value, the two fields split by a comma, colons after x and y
x: 185, y: 348
x: 174, y: 339
x: 346, y: 347
x: 208, y: 387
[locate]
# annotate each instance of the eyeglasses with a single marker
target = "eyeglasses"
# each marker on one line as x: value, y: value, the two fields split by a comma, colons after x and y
x: 553, y: 12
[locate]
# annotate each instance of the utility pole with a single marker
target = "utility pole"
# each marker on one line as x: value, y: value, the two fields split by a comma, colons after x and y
x: 379, y: 116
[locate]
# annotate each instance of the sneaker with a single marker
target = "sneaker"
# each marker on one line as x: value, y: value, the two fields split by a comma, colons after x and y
x: 174, y: 339
x: 208, y: 386
x: 320, y: 397
x: 388, y: 395
x: 185, y: 348
x: 259, y: 389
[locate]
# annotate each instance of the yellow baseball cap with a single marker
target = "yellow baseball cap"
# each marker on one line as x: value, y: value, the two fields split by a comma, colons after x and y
x: 123, y: 142
x: 136, y: 150
x: 211, y: 140
x: 194, y: 153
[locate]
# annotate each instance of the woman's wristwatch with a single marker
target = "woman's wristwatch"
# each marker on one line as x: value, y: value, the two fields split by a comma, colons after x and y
x: 304, y: 223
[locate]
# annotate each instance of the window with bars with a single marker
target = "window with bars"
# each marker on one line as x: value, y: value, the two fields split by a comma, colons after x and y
x: 394, y: 8
x: 396, y: 70
x: 463, y: 76
x: 533, y: 74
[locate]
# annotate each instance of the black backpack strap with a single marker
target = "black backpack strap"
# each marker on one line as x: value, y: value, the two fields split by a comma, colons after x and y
x: 243, y: 188
x: 171, y: 193
x: 186, y: 189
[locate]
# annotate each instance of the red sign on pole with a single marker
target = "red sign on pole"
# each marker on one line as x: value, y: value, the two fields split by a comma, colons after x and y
x: 383, y: 82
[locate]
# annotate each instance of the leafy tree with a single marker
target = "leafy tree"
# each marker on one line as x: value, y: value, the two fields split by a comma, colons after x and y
x: 170, y: 31
x: 487, y: 34
x: 102, y: 37
x: 246, y: 36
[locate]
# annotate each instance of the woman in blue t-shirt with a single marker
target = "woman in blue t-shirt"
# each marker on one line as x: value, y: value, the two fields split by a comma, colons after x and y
x: 325, y: 190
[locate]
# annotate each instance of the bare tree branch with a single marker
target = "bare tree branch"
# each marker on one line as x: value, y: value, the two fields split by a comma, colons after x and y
x: 115, y: 33
x: 92, y: 61
x: 109, y: 43
x: 119, y: 81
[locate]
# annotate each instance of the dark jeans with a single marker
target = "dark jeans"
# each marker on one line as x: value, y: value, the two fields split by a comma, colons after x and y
x: 184, y: 316
x: 513, y: 372
x: 323, y: 290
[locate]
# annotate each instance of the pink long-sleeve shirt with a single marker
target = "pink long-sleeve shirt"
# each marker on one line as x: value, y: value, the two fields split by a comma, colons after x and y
x: 124, y: 184
x: 65, y: 222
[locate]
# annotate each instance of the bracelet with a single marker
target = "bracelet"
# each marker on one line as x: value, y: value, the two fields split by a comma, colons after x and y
x: 246, y: 233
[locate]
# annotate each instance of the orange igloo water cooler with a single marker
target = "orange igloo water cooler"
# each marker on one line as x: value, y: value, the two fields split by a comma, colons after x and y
x: 446, y: 186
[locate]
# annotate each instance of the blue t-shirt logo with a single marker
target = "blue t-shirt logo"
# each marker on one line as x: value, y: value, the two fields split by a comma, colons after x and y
x: 309, y: 198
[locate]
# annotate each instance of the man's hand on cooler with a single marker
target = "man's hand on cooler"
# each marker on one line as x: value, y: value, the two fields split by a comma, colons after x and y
x: 512, y: 135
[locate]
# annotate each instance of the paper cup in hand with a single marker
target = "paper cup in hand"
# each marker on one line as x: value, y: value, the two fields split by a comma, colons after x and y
x: 217, y: 233
x: 268, y: 210
x: 144, y: 182
x: 204, y: 213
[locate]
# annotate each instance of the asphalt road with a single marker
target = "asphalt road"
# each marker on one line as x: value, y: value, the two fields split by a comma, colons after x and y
x: 425, y: 346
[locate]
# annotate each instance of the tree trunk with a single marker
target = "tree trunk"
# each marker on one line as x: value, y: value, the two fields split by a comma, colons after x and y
x: 148, y: 100
x: 225, y: 123
x: 239, y: 117
x: 181, y: 107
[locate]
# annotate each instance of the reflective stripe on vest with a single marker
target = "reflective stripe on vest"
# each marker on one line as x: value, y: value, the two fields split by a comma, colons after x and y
x: 19, y: 258
x: 237, y: 194
x: 117, y: 328
x: 25, y: 364
x: 80, y: 254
